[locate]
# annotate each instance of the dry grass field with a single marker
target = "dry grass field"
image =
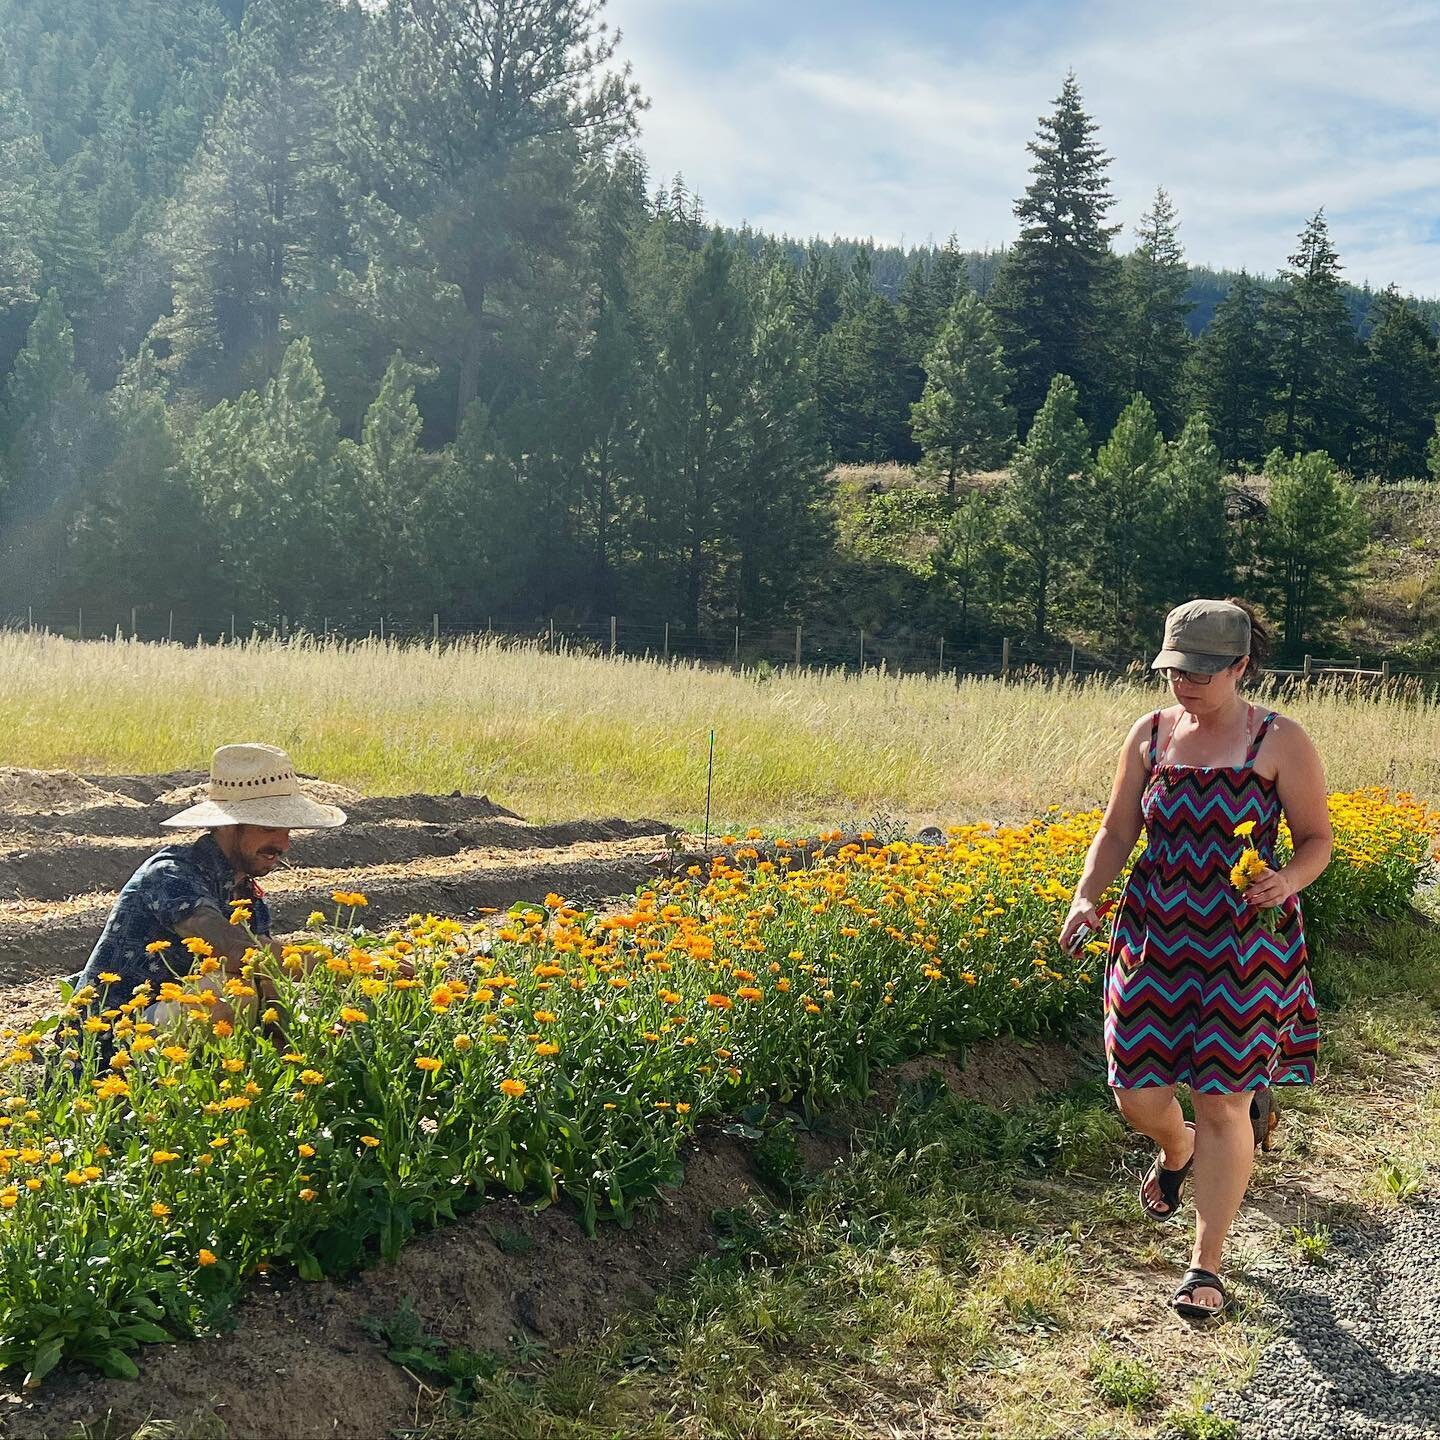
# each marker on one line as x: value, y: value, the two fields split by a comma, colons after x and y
x: 557, y: 735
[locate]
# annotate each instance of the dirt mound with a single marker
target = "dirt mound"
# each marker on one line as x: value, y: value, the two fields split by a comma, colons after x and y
x: 299, y: 1364
x: 53, y: 792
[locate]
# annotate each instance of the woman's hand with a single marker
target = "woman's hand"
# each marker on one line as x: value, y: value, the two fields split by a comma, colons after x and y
x: 1270, y: 888
x: 1082, y: 913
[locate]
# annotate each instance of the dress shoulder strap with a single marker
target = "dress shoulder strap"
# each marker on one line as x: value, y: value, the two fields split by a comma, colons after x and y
x: 1253, y: 753
x: 1152, y: 755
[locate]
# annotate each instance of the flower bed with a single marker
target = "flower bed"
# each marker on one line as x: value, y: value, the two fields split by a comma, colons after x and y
x: 561, y: 1053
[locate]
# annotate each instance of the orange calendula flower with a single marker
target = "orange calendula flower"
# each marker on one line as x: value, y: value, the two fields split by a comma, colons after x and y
x: 428, y: 1063
x: 306, y: 1152
x: 311, y: 1077
x: 369, y: 1141
x: 513, y: 1088
x: 159, y: 1211
x: 206, y: 1257
x: 719, y: 1002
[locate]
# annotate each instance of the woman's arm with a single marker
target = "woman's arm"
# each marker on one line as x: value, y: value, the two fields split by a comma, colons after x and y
x: 1115, y: 840
x: 1300, y: 778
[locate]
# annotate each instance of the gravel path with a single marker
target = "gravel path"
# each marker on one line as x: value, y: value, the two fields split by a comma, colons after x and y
x: 1358, y: 1357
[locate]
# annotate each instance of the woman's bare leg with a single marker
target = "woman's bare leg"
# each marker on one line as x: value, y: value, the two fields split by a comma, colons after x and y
x: 1224, y: 1158
x: 1153, y: 1110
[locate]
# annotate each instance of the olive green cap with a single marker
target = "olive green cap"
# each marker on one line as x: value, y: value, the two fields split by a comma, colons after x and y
x: 1204, y: 635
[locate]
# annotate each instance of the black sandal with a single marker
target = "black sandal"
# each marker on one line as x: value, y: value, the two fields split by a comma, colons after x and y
x: 1183, y: 1302
x: 1170, y: 1184
x: 1264, y: 1116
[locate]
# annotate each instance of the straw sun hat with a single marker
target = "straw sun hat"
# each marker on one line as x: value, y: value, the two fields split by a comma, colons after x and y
x: 256, y: 785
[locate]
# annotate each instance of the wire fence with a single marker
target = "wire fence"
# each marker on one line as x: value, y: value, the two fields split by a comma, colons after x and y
x: 892, y: 647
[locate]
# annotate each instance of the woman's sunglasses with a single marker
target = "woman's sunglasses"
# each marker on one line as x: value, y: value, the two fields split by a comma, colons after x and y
x: 1193, y: 677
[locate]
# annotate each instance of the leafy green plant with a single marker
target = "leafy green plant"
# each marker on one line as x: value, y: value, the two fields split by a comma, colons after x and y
x: 1121, y: 1382
x: 451, y: 1368
x: 1311, y: 1243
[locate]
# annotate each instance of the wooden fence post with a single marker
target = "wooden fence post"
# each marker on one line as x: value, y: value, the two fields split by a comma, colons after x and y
x: 1072, y: 659
x: 134, y: 633
x: 667, y: 640
x: 942, y: 654
x: 170, y: 628
x: 614, y: 625
x: 1384, y: 672
x: 552, y: 632
x: 862, y: 649
x: 1308, y: 665
x: 737, y: 647
x: 80, y: 623
x: 797, y: 645
x: 1005, y: 656
x: 435, y: 629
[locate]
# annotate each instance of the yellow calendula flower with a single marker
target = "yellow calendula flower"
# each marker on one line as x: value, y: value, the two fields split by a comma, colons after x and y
x: 206, y: 1257
x: 352, y: 1016
x: 163, y: 1157
x: 306, y: 1152
x: 157, y: 947
x: 160, y: 1211
x: 109, y: 977
x: 370, y: 1141
x: 462, y: 1042
x: 428, y: 1063
x: 311, y: 1077
x: 513, y: 1088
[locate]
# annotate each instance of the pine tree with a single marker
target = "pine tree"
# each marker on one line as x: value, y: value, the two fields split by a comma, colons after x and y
x: 1044, y: 501
x: 1400, y: 390
x: 470, y: 123
x: 1155, y: 282
x: 965, y: 555
x: 962, y: 421
x: 1195, y: 554
x: 1314, y: 347
x: 1232, y: 377
x: 1311, y: 544
x: 1124, y: 508
x: 1054, y: 297
x: 697, y: 434
x: 863, y: 380
x: 778, y: 519
x: 249, y: 233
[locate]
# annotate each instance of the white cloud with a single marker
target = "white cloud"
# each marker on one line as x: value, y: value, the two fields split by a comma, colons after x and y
x: 1251, y: 114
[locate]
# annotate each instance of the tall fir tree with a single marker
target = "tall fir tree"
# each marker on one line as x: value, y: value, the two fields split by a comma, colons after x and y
x: 249, y: 233
x: 696, y: 431
x: 1156, y: 340
x: 1400, y: 390
x: 1044, y: 503
x: 1124, y: 510
x: 865, y: 383
x: 967, y: 557
x: 779, y: 522
x: 1311, y: 545
x: 1055, y: 297
x: 1196, y: 550
x: 1232, y: 375
x: 963, y: 422
x: 1314, y: 345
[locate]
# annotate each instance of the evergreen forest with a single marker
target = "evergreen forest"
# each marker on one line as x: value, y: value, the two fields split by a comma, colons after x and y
x: 318, y: 309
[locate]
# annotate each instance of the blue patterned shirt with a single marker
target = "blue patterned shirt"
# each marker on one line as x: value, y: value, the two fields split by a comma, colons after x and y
x: 168, y: 888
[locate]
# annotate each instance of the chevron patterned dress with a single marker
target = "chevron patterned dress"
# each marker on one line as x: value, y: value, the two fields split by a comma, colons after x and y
x: 1199, y: 991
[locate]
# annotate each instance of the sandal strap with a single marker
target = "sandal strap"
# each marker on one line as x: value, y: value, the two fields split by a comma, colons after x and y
x: 1197, y: 1279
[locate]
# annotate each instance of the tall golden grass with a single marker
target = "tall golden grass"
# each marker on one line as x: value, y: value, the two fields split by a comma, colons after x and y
x: 555, y: 735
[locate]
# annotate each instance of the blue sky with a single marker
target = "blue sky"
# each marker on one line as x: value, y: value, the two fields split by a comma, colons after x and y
x: 908, y: 119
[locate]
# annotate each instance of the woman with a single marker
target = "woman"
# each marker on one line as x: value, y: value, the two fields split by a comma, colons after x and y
x: 1207, y: 987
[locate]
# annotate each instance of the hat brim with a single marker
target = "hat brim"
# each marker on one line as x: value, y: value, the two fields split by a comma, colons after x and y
x: 273, y: 812
x: 1186, y: 660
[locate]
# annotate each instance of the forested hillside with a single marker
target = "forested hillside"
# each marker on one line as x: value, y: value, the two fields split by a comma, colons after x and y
x: 318, y: 309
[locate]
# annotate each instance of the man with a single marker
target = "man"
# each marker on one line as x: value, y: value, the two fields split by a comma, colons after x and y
x: 189, y: 891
